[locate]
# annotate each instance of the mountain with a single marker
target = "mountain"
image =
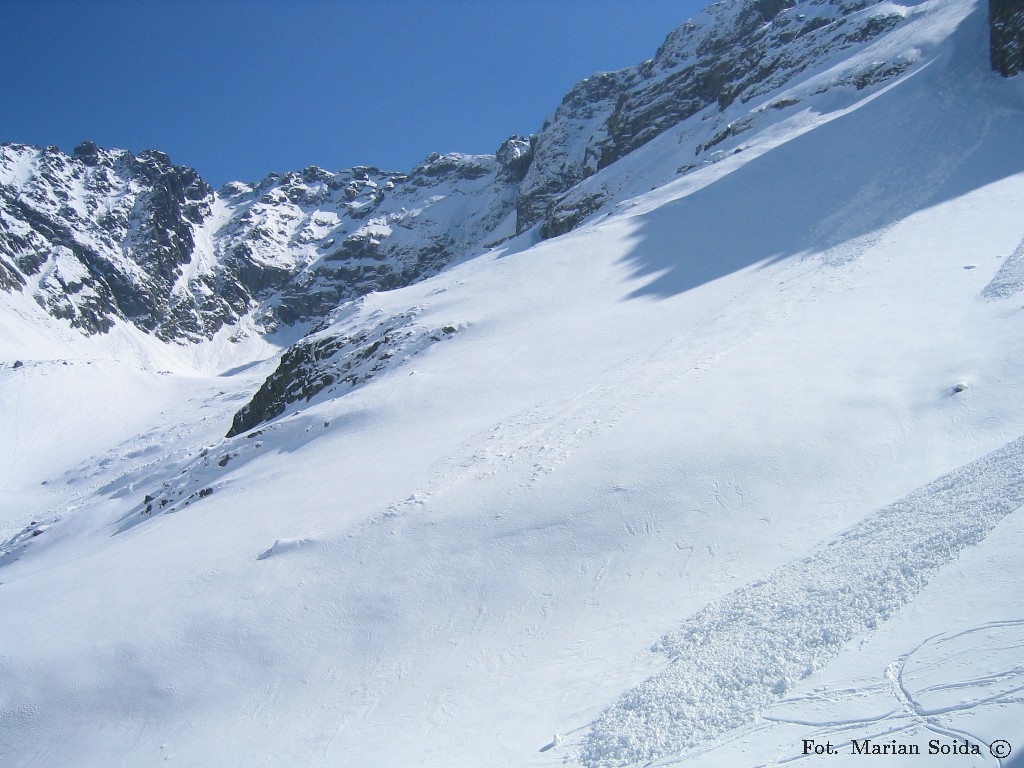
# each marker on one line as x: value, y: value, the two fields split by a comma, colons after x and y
x: 102, y: 236
x: 686, y: 431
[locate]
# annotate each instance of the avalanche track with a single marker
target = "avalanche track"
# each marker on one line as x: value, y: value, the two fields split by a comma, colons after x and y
x: 729, y: 664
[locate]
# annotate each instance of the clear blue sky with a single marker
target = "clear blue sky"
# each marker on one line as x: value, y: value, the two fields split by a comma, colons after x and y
x: 238, y: 89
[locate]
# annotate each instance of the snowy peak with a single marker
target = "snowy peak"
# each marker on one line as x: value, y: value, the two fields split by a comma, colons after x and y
x: 100, y: 235
x: 732, y: 53
x: 103, y: 236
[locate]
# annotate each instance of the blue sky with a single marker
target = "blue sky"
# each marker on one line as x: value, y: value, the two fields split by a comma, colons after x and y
x: 239, y: 89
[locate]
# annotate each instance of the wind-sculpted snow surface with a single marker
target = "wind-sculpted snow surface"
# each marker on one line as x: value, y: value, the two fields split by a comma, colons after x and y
x: 733, y: 659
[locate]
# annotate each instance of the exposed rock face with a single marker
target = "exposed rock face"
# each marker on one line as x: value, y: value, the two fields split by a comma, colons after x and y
x: 330, y: 359
x: 103, y: 236
x: 302, y: 243
x: 514, y: 157
x: 1006, y: 18
x: 733, y: 51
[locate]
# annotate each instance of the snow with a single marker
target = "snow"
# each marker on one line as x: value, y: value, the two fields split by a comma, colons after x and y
x: 16, y: 166
x: 204, y: 256
x: 729, y: 666
x: 690, y: 485
x: 1009, y: 280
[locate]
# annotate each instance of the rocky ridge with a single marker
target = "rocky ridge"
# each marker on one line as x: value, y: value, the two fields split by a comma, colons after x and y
x: 1006, y: 18
x: 732, y: 52
x: 102, y: 236
x: 799, y: 55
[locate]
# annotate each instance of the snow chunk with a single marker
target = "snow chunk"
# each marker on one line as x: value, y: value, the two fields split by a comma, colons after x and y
x: 282, y: 546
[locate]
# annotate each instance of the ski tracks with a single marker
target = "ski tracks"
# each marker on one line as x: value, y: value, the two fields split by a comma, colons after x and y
x: 923, y: 693
x: 738, y: 656
x: 533, y: 442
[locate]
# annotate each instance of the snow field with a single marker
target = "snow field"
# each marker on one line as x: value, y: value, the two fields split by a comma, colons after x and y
x: 480, y: 549
x: 734, y: 658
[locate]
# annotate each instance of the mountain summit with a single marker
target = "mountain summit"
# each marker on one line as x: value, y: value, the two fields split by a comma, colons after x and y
x: 100, y: 236
x: 686, y: 431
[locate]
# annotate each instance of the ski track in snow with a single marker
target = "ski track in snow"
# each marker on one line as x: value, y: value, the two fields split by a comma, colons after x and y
x: 729, y: 664
x: 555, y: 428
x: 906, y: 701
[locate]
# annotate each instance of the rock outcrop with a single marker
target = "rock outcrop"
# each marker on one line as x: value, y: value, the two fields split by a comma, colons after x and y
x: 732, y: 52
x: 1006, y: 19
x: 103, y: 236
x: 331, y: 359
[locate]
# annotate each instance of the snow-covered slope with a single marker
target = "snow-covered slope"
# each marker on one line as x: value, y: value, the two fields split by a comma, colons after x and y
x: 104, y: 238
x: 733, y: 464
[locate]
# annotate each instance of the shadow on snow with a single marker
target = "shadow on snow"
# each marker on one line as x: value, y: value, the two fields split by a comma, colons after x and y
x: 928, y: 139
